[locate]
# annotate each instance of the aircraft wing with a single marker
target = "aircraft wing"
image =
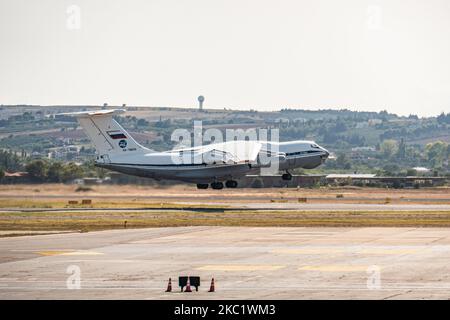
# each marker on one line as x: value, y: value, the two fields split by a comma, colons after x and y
x: 230, y: 152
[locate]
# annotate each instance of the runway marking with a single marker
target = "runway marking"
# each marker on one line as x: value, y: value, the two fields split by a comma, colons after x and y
x: 374, y: 251
x: 52, y: 252
x: 82, y: 253
x: 69, y: 253
x: 308, y: 251
x: 335, y: 268
x: 389, y: 251
x: 240, y: 267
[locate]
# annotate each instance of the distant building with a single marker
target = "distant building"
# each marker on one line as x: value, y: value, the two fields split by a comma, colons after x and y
x: 300, y: 120
x: 37, y: 155
x: 282, y: 120
x: 15, y: 177
x: 350, y: 176
x: 373, y: 122
x: 421, y: 170
x: 394, y: 182
x: 70, y: 152
x: 275, y: 181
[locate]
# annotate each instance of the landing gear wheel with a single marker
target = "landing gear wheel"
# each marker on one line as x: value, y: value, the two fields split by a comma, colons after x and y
x: 217, y: 185
x: 202, y: 186
x: 231, y: 184
x: 286, y: 176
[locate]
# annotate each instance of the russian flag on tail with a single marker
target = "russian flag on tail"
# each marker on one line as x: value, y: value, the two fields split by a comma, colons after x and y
x: 116, y: 134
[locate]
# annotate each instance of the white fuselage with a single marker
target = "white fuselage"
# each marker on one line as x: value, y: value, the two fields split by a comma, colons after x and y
x: 210, y: 163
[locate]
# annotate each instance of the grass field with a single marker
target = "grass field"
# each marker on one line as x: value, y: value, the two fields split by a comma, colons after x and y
x: 115, y: 207
x: 102, y: 220
x: 107, y: 204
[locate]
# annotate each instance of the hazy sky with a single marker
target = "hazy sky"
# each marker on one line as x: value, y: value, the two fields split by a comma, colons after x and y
x: 242, y: 54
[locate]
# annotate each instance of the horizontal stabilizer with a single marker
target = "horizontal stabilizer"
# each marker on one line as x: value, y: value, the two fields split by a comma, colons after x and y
x: 93, y: 113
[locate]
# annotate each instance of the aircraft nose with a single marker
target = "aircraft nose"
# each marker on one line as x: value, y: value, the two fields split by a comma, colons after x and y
x: 327, y: 153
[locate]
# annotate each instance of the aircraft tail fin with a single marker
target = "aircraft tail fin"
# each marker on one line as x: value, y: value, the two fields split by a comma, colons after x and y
x: 106, y: 134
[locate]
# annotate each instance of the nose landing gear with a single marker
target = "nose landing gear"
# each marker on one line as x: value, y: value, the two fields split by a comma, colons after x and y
x: 286, y: 176
x: 202, y: 186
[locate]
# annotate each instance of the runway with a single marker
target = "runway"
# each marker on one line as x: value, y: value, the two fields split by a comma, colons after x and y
x: 246, y: 263
x: 255, y: 206
x: 346, y: 206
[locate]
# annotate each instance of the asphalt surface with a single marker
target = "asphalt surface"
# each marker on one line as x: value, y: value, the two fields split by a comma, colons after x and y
x: 246, y: 263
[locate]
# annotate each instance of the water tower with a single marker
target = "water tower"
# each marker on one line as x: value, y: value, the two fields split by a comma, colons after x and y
x: 200, y: 102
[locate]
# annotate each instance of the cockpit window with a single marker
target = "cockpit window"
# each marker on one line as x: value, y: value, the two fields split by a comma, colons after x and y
x: 315, y: 146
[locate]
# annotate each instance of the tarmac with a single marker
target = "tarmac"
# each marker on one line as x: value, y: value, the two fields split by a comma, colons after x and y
x: 246, y: 263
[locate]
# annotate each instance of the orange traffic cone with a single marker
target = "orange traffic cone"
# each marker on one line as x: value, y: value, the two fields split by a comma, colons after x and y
x: 212, y: 287
x: 169, y: 286
x: 188, y: 286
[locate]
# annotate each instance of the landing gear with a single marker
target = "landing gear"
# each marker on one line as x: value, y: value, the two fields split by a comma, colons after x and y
x: 231, y: 184
x: 286, y: 176
x: 217, y: 185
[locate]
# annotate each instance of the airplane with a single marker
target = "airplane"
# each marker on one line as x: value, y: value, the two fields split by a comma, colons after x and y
x: 206, y: 165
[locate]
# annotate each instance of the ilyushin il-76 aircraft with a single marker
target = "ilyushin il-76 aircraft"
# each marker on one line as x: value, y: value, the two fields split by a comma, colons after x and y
x: 215, y: 164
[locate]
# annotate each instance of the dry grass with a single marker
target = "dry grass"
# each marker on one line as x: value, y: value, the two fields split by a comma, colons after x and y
x: 178, y: 207
x: 90, y: 221
x: 22, y: 203
x: 189, y: 193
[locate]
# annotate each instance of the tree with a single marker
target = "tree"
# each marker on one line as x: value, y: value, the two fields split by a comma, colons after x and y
x: 330, y: 137
x: 340, y: 126
x: 71, y: 171
x: 37, y: 170
x: 443, y: 118
x: 388, y: 148
x: 436, y: 153
x: 401, y: 153
x: 9, y: 161
x: 343, y: 162
x: 142, y: 123
x: 391, y: 169
x: 2, y: 174
x: 55, y: 172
